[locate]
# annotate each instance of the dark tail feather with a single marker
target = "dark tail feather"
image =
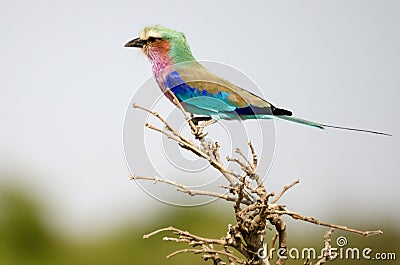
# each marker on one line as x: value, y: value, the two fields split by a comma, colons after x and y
x: 323, y: 126
x: 357, y: 130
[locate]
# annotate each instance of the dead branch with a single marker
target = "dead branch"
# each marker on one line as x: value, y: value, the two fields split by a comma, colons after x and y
x: 327, y: 250
x: 312, y: 220
x: 247, y: 191
x: 182, y: 188
x: 285, y: 188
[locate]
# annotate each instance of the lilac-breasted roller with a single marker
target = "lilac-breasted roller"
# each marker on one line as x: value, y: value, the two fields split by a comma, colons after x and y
x: 200, y: 91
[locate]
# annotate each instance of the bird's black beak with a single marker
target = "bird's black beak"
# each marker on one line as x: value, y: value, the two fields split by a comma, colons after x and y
x: 137, y: 43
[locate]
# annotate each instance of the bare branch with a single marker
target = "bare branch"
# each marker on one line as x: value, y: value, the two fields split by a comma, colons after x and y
x: 203, y: 251
x: 255, y: 159
x: 285, y: 188
x: 188, y: 235
x: 280, y: 227
x: 273, y: 241
x: 238, y: 151
x: 327, y: 248
x: 169, y: 136
x: 182, y: 188
x: 178, y: 103
x: 189, y: 145
x: 317, y: 222
x: 194, y: 240
x: 158, y: 116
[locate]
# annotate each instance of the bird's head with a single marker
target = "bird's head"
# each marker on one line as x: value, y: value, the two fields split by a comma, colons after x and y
x: 163, y: 45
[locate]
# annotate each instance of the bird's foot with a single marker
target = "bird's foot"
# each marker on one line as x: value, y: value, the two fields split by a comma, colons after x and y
x: 196, y: 120
x: 197, y: 131
x: 206, y: 123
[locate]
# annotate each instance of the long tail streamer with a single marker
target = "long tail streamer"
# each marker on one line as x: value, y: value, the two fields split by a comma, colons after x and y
x: 323, y: 126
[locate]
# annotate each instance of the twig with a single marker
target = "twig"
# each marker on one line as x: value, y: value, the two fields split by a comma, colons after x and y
x: 202, y: 251
x: 178, y: 103
x: 273, y: 241
x: 185, y: 189
x: 185, y: 236
x: 317, y: 222
x: 255, y: 159
x: 280, y: 227
x: 327, y: 248
x: 285, y: 188
x: 169, y: 136
x: 189, y: 145
x: 251, y: 165
x: 164, y: 121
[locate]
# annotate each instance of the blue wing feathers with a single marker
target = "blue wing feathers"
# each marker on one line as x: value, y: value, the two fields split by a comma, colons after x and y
x: 183, y: 91
x: 219, y: 102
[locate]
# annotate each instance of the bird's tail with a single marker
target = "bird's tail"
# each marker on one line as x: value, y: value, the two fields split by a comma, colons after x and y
x: 323, y: 126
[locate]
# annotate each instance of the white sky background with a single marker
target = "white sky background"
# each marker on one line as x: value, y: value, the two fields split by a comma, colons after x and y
x: 66, y: 81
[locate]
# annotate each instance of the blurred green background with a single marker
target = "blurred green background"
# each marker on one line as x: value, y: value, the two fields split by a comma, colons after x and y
x: 26, y: 238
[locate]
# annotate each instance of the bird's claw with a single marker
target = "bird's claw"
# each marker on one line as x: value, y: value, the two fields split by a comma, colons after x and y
x: 197, y: 131
x: 197, y: 120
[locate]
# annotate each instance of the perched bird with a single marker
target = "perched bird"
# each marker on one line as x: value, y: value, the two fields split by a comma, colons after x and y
x: 198, y: 90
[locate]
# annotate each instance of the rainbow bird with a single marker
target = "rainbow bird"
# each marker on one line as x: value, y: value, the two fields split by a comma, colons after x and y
x: 199, y: 91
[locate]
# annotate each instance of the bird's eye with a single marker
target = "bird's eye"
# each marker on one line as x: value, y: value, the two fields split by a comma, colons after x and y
x: 153, y: 39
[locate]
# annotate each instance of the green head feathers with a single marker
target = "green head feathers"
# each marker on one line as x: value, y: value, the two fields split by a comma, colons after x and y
x: 161, y: 44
